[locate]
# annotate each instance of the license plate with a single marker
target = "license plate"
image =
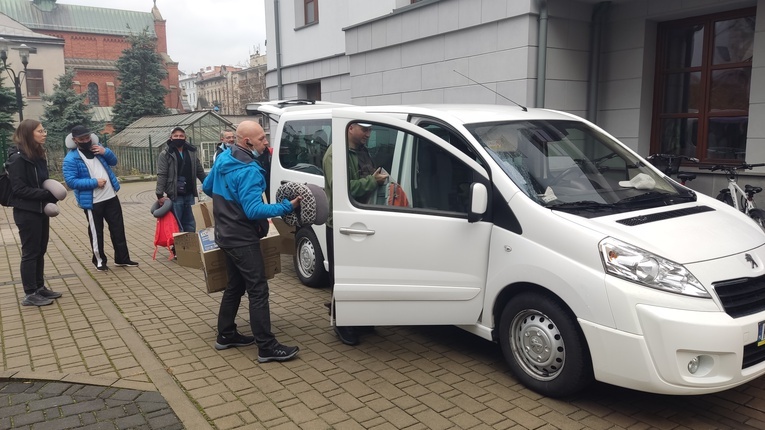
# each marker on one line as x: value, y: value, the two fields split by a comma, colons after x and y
x: 761, y: 333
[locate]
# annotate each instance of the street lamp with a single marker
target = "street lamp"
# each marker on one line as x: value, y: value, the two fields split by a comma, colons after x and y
x: 16, y: 78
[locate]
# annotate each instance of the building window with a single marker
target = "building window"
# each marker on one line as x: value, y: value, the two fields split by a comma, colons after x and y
x: 704, y: 72
x: 311, y: 11
x: 34, y: 78
x: 313, y: 91
x: 93, y: 94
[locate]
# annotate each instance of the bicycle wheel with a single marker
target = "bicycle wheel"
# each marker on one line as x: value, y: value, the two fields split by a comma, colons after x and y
x: 758, y: 215
x: 724, y: 196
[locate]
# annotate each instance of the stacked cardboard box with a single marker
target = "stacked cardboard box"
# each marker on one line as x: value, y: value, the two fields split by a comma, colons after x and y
x: 199, y: 250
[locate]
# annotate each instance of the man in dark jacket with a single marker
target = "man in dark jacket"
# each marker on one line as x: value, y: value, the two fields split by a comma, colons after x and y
x: 178, y: 168
x: 236, y: 184
x: 87, y: 171
x: 226, y: 141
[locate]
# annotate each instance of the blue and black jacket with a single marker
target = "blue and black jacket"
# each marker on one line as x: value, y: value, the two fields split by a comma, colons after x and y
x: 236, y: 184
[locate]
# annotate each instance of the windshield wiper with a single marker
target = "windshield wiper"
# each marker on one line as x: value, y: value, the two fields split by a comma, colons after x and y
x: 653, y: 196
x: 581, y: 205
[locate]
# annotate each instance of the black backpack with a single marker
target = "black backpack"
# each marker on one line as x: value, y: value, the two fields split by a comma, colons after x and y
x: 5, y: 186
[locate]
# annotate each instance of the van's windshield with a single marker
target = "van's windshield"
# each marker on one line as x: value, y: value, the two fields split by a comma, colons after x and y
x: 569, y: 166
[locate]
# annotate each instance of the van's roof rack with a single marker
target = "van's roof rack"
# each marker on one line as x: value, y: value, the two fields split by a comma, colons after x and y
x: 296, y: 102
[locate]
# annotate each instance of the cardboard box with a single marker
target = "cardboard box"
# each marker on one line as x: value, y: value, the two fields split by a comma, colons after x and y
x: 187, y: 250
x: 203, y: 214
x: 199, y: 250
x: 287, y: 235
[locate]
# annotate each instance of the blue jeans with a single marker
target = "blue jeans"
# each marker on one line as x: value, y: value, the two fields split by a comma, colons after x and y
x: 247, y: 273
x: 182, y: 209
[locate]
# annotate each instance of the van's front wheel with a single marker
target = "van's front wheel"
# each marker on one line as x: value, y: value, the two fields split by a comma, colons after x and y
x: 309, y: 260
x: 544, y: 347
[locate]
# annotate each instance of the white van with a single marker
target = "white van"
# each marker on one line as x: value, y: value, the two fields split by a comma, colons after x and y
x: 540, y: 231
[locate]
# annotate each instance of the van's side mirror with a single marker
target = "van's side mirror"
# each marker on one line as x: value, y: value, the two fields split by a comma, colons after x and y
x: 479, y: 201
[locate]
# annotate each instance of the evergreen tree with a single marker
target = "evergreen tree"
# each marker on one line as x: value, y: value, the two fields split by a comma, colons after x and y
x: 64, y: 109
x: 140, y: 92
x: 8, y: 109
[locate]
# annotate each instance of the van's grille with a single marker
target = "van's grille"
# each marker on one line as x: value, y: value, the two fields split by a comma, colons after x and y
x: 741, y: 297
x: 753, y: 354
x: 643, y: 219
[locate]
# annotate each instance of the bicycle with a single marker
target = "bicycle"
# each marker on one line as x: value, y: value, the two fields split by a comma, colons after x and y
x: 670, y: 165
x: 734, y: 195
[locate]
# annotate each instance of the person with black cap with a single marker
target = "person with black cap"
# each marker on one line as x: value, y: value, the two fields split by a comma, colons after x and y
x: 178, y: 168
x: 88, y: 171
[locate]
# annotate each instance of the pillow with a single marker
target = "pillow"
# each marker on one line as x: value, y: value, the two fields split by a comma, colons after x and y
x: 157, y: 211
x: 55, y: 188
x: 314, y: 208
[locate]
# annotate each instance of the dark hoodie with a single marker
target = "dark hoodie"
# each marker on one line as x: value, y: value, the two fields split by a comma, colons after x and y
x: 26, y: 178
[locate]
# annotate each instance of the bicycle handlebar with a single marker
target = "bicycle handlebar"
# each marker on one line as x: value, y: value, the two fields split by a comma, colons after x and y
x: 732, y: 167
x: 672, y: 156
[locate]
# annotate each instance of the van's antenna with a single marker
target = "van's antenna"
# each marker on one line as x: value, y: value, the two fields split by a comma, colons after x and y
x: 511, y: 101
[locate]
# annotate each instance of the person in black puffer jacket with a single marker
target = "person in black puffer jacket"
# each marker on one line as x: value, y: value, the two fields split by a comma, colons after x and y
x: 27, y: 170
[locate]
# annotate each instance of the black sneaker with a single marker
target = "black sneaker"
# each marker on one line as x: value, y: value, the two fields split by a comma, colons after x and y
x: 128, y: 263
x: 347, y: 335
x: 48, y: 294
x: 236, y: 339
x: 278, y: 353
x: 35, y: 299
x: 102, y: 268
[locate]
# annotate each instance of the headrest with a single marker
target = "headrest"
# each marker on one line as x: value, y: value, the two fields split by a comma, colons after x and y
x: 71, y: 144
x: 314, y: 207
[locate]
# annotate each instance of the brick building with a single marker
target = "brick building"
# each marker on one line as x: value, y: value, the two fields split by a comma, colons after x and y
x: 94, y: 39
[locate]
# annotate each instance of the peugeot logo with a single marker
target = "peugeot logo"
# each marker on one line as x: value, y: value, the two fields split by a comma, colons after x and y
x: 749, y: 258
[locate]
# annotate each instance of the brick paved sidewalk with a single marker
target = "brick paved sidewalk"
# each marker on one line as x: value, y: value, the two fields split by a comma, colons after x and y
x: 61, y: 405
x: 150, y: 330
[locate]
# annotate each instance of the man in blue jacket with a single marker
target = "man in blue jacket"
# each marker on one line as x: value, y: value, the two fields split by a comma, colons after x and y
x: 87, y: 171
x: 236, y: 184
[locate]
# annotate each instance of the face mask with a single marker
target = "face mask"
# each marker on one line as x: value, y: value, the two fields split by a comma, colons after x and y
x: 85, y: 145
x: 178, y: 142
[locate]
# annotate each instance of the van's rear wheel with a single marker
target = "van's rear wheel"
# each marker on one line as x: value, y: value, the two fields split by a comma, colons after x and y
x: 309, y: 260
x: 544, y: 346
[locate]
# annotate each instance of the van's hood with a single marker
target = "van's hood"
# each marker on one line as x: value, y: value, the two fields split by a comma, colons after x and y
x: 686, y: 233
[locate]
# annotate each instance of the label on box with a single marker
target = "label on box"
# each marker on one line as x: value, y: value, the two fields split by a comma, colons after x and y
x: 207, y: 239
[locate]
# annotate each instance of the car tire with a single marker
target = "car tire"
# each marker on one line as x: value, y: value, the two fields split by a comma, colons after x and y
x: 544, y: 346
x: 309, y: 260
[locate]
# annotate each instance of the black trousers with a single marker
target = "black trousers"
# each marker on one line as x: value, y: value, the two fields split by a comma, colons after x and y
x: 247, y: 273
x: 34, y: 230
x: 110, y: 211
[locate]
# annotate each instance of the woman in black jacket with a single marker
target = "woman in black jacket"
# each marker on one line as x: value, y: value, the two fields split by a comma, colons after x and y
x: 27, y: 170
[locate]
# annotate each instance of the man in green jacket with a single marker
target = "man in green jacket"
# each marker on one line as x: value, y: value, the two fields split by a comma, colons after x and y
x: 364, y: 178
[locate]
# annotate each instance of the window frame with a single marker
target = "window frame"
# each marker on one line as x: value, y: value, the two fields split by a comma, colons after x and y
x: 38, y: 83
x: 706, y: 70
x: 306, y: 5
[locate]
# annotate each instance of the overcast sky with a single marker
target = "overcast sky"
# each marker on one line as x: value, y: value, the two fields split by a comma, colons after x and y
x: 203, y: 33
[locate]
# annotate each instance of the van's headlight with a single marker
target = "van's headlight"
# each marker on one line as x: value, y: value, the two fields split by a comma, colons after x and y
x: 638, y: 265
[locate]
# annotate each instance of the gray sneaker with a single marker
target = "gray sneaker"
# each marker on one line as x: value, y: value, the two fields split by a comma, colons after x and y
x: 278, y: 353
x: 48, y: 293
x: 36, y: 300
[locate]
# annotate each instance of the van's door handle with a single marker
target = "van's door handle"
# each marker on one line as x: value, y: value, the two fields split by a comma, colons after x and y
x: 346, y: 230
